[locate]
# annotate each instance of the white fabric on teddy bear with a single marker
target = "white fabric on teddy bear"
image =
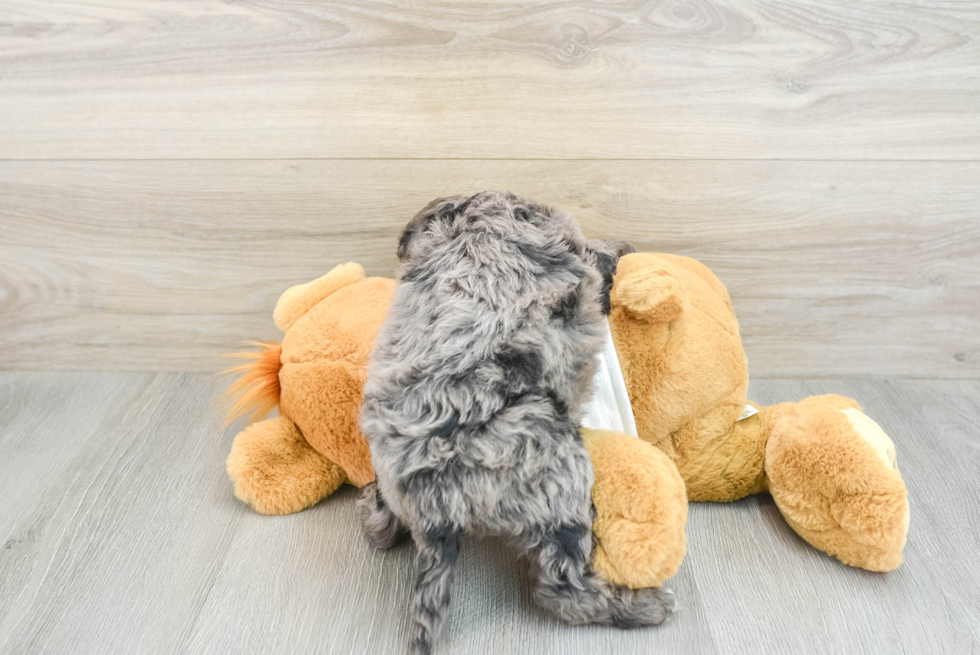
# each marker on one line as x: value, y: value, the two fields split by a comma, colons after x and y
x: 609, y: 407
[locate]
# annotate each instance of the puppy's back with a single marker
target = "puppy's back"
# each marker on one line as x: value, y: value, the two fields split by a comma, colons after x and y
x: 473, y: 397
x: 497, y: 298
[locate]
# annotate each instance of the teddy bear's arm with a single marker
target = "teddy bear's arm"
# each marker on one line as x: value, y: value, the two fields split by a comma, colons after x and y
x: 641, y: 510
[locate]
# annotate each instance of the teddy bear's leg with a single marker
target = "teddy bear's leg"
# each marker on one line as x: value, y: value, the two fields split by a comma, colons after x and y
x: 641, y: 510
x: 276, y: 471
x: 832, y: 473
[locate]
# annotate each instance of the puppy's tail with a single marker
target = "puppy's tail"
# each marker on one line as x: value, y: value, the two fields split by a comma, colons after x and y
x: 438, y: 551
x: 256, y: 390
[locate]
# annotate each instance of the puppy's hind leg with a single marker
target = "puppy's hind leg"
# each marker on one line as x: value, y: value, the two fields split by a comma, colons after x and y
x: 565, y: 584
x: 438, y: 551
x: 381, y: 527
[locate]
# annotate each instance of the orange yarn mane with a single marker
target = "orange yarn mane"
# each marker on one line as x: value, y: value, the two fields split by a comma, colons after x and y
x: 256, y: 391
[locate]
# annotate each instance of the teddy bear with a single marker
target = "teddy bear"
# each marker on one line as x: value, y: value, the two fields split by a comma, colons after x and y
x: 830, y: 469
x: 316, y: 375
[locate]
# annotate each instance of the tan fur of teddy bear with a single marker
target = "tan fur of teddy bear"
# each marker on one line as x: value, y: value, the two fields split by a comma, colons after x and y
x: 830, y: 469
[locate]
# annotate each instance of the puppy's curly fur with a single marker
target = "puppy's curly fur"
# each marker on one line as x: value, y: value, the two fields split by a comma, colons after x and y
x: 474, y: 393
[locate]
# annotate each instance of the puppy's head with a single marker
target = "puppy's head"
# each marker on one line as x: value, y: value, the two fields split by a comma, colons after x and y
x: 607, y: 253
x: 538, y: 232
x: 499, y: 213
x: 427, y: 228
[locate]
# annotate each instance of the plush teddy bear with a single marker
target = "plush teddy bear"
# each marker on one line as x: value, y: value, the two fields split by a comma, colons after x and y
x: 830, y: 469
x: 316, y: 375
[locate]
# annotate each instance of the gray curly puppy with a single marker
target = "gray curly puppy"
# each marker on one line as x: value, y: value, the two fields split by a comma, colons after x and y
x: 473, y: 398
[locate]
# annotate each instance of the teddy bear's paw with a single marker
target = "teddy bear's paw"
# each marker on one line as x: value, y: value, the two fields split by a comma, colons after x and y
x: 276, y: 471
x: 832, y: 473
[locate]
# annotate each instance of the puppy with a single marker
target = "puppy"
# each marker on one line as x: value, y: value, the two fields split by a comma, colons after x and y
x: 472, y: 401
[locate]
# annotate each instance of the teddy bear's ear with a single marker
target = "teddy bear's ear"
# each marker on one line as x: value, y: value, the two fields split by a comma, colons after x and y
x: 299, y: 299
x: 653, y: 295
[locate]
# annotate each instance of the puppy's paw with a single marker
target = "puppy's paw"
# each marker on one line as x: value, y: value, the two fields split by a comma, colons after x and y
x: 381, y: 527
x: 641, y: 607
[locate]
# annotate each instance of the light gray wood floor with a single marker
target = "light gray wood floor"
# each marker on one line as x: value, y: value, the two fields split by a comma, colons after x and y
x: 119, y: 534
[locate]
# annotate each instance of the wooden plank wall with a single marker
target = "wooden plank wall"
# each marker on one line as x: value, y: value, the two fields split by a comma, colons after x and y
x: 168, y: 168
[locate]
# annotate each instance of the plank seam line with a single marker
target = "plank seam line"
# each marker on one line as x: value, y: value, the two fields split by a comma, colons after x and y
x: 508, y: 159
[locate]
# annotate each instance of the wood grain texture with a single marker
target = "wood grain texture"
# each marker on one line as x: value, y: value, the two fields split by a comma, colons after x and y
x: 118, y: 528
x: 122, y: 535
x: 788, y: 79
x: 835, y: 268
